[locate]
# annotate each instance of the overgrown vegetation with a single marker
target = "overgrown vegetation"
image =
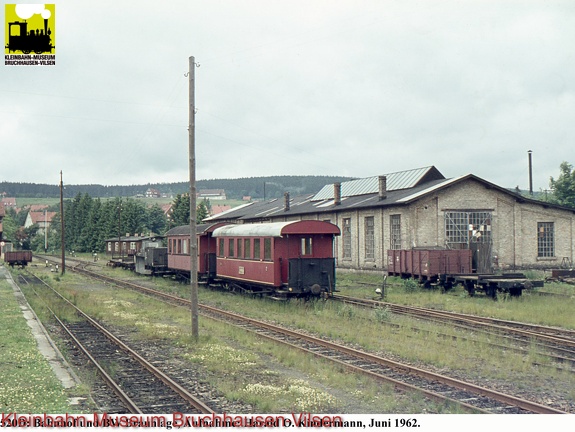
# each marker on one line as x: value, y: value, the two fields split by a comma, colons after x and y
x: 244, y: 367
x: 27, y: 383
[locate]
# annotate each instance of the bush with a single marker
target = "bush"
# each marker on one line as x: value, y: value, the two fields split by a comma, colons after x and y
x: 410, y: 285
x: 382, y: 314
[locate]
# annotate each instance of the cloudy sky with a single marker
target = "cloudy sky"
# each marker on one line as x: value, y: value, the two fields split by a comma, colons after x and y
x: 295, y: 87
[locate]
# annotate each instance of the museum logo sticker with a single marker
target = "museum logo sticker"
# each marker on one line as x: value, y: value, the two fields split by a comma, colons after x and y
x: 30, y: 35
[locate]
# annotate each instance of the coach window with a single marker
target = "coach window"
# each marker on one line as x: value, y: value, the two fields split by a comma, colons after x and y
x: 240, y: 248
x: 185, y: 247
x: 231, y: 243
x: 247, y: 248
x: 268, y: 249
x: 179, y: 247
x: 221, y: 247
x: 306, y: 246
x: 257, y: 254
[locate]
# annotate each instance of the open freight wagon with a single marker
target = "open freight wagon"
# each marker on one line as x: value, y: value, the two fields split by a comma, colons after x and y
x: 448, y: 267
x: 18, y: 258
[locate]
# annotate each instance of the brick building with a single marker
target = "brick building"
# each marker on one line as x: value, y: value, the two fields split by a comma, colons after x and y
x: 420, y: 208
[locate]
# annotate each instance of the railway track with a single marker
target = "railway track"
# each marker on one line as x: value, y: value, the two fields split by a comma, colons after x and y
x: 140, y: 386
x: 556, y: 343
x: 435, y: 386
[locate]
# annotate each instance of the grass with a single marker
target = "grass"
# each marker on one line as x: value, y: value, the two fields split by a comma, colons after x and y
x: 234, y: 358
x: 27, y: 383
x: 240, y: 364
x: 530, y: 307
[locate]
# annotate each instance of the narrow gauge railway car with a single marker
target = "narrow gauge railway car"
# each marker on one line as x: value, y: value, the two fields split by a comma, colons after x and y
x: 282, y: 259
x: 152, y: 258
x: 427, y: 265
x: 18, y: 258
x: 178, y: 258
x: 448, y: 267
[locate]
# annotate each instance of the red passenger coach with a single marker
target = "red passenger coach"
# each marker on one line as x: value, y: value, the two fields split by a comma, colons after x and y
x: 283, y: 258
x: 179, y: 250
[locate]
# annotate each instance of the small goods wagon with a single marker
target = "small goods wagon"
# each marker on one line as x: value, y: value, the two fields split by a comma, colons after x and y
x: 448, y: 267
x: 18, y: 258
x: 427, y: 264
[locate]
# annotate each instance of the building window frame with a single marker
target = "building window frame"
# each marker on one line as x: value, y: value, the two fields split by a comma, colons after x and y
x: 464, y: 226
x: 369, y: 230
x: 346, y: 239
x: 395, y: 231
x: 545, y: 239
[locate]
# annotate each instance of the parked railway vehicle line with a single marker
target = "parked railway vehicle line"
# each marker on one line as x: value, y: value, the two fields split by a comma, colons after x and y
x: 140, y: 386
x: 439, y: 387
x: 278, y: 259
x: 555, y: 343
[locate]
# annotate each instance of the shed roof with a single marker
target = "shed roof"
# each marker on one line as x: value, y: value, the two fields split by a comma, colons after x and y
x: 395, y: 181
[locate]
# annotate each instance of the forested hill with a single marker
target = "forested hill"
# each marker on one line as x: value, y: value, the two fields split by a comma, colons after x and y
x: 256, y: 187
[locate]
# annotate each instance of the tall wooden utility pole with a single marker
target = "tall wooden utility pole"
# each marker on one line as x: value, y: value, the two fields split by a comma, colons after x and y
x: 62, y: 224
x: 193, y: 210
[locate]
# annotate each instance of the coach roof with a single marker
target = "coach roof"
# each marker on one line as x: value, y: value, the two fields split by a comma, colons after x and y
x: 277, y: 229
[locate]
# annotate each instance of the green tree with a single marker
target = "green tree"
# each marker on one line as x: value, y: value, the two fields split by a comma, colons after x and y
x: 180, y: 210
x: 201, y: 213
x: 10, y: 225
x: 156, y: 220
x: 133, y: 217
x: 564, y: 187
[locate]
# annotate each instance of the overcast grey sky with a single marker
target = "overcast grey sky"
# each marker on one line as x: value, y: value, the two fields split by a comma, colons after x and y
x: 295, y: 87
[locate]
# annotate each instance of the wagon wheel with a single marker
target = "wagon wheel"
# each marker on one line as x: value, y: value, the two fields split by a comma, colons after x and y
x: 38, y: 51
x: 26, y: 51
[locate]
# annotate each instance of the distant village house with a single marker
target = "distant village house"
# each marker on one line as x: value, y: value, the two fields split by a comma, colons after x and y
x: 212, y: 194
x: 41, y: 218
x: 153, y: 193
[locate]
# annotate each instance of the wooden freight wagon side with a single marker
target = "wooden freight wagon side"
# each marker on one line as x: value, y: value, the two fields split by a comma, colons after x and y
x: 428, y: 264
x: 18, y: 258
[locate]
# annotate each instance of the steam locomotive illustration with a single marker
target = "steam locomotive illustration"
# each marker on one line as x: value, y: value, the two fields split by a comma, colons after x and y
x: 37, y: 41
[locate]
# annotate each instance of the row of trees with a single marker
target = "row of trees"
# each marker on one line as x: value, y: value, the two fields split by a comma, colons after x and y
x: 90, y: 221
x: 257, y: 187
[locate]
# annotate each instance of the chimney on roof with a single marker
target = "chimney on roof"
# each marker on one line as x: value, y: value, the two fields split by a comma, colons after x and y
x: 337, y: 194
x: 530, y: 173
x: 286, y: 201
x: 382, y: 187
